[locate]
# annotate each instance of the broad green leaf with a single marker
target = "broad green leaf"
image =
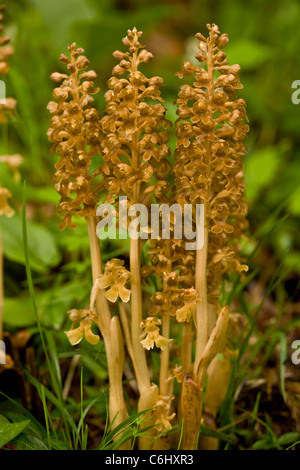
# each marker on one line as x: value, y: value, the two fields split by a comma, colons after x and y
x: 294, y: 203
x: 29, y: 442
x: 11, y: 405
x: 42, y: 246
x: 288, y: 438
x: 59, y: 300
x: 261, y: 168
x: 52, y: 305
x: 18, y: 312
x: 8, y: 431
x: 262, y: 444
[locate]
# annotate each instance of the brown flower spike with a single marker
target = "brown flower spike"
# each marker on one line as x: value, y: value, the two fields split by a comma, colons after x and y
x: 211, y: 130
x: 135, y: 142
x: 135, y: 154
x: 75, y: 133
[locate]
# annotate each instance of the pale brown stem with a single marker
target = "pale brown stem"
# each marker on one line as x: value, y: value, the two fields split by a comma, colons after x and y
x: 201, y: 289
x: 110, y: 330
x: 142, y: 372
x: 71, y: 372
x: 141, y: 368
x: 126, y: 330
x: 148, y: 392
x: 213, y: 346
x: 202, y: 316
x: 191, y: 408
x: 212, y: 317
x: 104, y: 316
x: 164, y: 359
x: 165, y: 354
x: 115, y: 359
x: 186, y: 347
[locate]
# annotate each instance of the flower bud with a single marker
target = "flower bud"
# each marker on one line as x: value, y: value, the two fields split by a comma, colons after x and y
x: 118, y: 71
x: 58, y: 77
x: 119, y: 55
x: 223, y: 40
x: 145, y: 56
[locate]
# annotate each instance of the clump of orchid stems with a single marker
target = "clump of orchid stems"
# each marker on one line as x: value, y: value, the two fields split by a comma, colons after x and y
x: 132, y: 138
x: 211, y: 131
x: 76, y: 135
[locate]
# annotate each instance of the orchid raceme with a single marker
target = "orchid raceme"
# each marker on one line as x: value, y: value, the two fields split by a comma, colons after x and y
x: 75, y: 132
x: 211, y: 129
x: 74, y: 126
x: 182, y: 322
x: 7, y: 110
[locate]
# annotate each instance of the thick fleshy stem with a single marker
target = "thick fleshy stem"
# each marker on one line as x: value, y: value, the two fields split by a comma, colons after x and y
x: 112, y: 336
x: 202, y: 319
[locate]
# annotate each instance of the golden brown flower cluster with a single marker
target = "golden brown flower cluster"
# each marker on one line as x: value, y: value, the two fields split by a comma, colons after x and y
x: 114, y: 279
x: 211, y: 131
x: 7, y: 105
x: 76, y: 136
x: 151, y: 336
x: 135, y: 142
x: 175, y: 267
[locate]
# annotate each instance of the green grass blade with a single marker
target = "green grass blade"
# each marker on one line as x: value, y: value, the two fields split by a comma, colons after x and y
x: 46, y: 415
